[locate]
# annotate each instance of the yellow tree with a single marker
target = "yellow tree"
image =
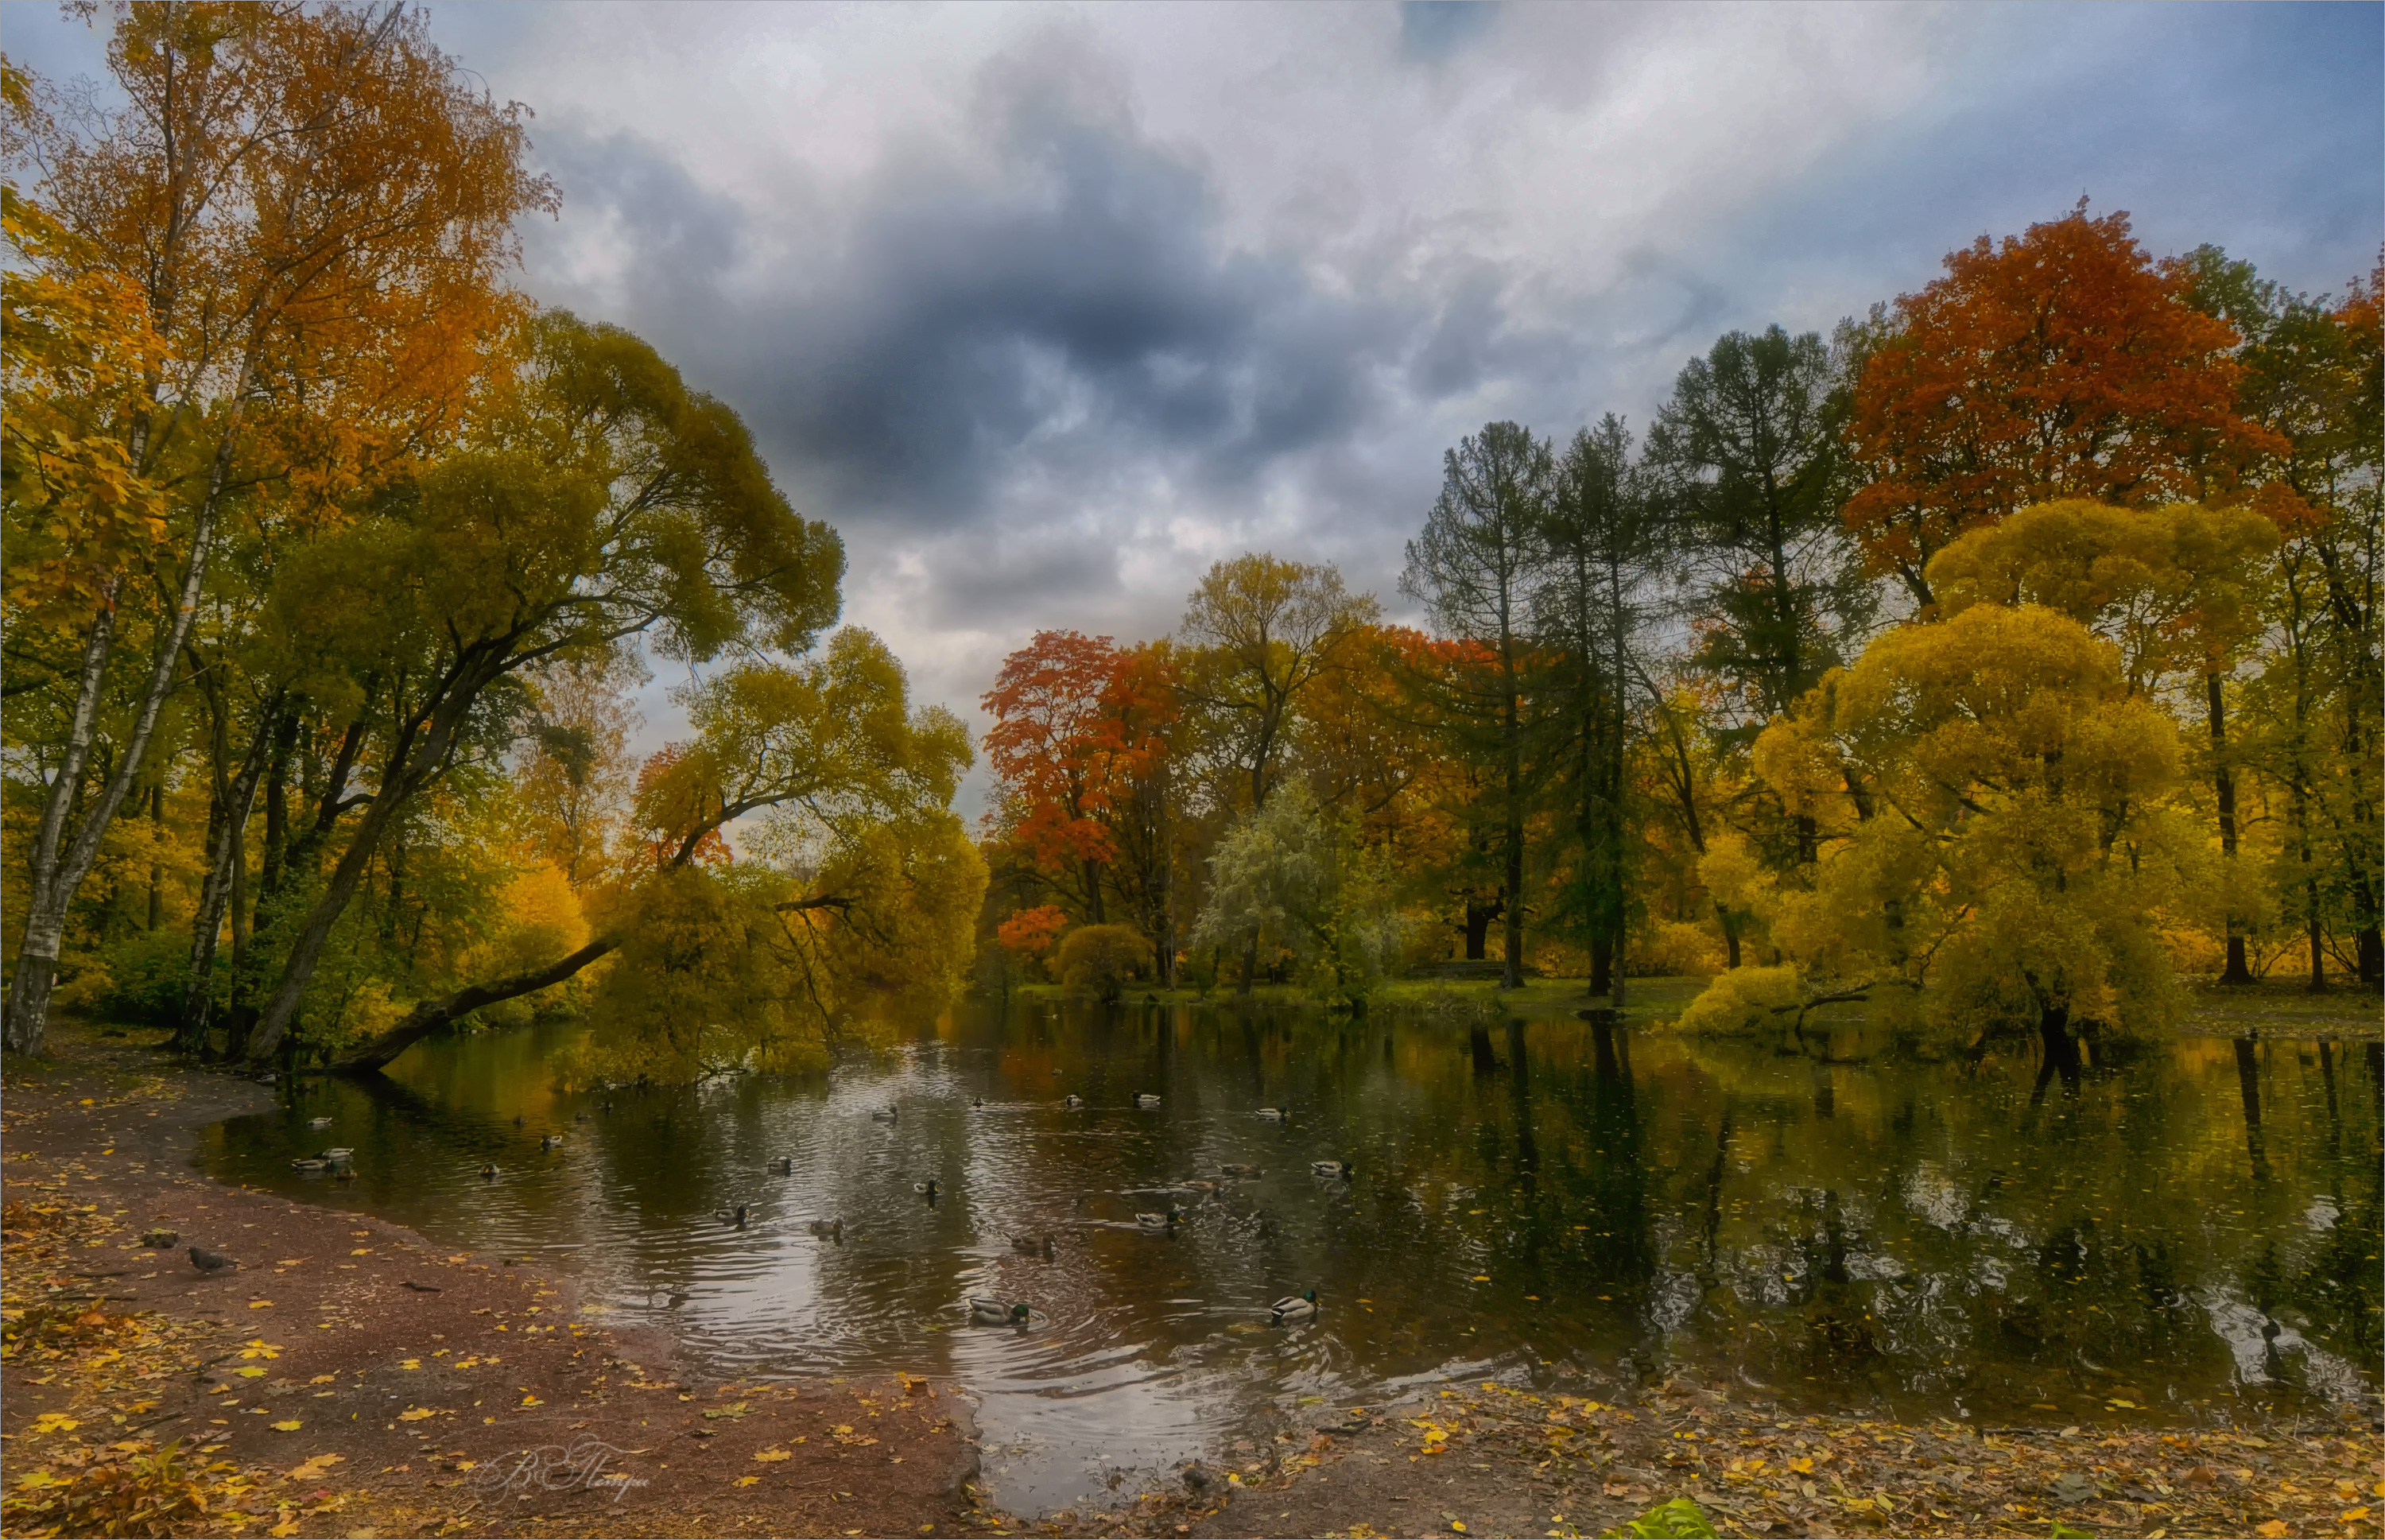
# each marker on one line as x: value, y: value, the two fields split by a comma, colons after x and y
x: 314, y: 207
x: 2179, y: 589
x: 2000, y: 850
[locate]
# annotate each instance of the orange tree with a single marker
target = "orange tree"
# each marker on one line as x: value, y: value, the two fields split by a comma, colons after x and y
x: 2062, y: 363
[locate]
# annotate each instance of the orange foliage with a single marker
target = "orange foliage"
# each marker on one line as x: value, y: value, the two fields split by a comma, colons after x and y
x: 1031, y: 932
x: 2064, y: 363
x: 1078, y: 720
x: 678, y: 794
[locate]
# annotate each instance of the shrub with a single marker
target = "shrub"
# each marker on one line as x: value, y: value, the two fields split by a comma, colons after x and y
x: 1098, y: 959
x: 1743, y: 1001
x: 139, y: 980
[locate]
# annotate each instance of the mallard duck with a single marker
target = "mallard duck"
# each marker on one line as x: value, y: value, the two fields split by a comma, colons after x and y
x: 1272, y: 1114
x: 311, y: 1164
x: 1332, y: 1170
x: 1168, y: 1220
x: 977, y: 1102
x: 489, y: 1173
x: 926, y: 1189
x: 993, y: 1312
x: 732, y: 1216
x: 1236, y: 1169
x: 336, y: 1154
x: 1294, y: 1306
x: 829, y: 1230
x: 1072, y: 1100
x: 551, y: 1141
x: 1146, y: 1099
x: 885, y: 1115
x: 784, y: 1165
x: 1032, y: 1246
x: 318, y: 1122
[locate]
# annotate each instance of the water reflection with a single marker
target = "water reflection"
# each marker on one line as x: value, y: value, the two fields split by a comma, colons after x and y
x: 2197, y: 1228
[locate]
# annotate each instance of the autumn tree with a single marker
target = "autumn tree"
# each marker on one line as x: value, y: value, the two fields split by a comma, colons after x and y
x: 315, y: 207
x: 2061, y: 363
x: 2019, y: 857
x: 1299, y: 877
x: 1476, y: 567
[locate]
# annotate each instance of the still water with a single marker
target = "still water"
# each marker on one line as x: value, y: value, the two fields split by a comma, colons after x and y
x: 2191, y: 1236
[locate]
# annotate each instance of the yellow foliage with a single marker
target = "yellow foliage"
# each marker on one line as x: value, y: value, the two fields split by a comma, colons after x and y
x: 1745, y: 1001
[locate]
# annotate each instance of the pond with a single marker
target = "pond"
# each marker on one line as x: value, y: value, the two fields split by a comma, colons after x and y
x: 2191, y: 1236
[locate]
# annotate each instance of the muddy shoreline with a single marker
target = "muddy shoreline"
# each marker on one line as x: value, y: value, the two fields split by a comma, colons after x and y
x: 393, y: 1387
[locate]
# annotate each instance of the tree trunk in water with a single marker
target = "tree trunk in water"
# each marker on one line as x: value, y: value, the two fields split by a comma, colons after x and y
x: 432, y: 1015
x: 1602, y: 969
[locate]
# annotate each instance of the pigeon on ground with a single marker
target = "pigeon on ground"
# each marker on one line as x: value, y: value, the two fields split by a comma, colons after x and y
x: 209, y: 1261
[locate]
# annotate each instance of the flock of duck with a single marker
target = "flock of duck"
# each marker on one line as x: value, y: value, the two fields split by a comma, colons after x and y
x: 340, y: 1163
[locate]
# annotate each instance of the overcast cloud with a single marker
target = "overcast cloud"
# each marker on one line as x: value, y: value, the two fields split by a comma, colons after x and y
x: 1047, y: 308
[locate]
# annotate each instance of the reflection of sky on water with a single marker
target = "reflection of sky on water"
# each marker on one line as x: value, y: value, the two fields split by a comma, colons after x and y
x: 2190, y: 1233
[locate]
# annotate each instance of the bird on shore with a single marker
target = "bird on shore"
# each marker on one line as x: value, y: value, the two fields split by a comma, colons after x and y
x: 1294, y: 1306
x: 210, y: 1261
x: 829, y: 1229
x: 1146, y: 1099
x: 318, y: 1122
x: 1168, y: 1220
x: 1271, y: 1114
x: 993, y: 1312
x: 1072, y: 1100
x: 784, y: 1165
x: 1332, y: 1170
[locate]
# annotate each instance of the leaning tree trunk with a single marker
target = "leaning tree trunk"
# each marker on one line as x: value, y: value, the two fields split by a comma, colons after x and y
x: 432, y: 1015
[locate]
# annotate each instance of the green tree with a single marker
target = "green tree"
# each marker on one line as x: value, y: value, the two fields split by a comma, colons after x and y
x: 1298, y: 876
x: 1477, y: 566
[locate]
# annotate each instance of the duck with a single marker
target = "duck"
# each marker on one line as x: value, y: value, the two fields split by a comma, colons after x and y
x: 1332, y: 1170
x: 605, y: 1106
x: 829, y: 1229
x: 311, y: 1164
x: 518, y: 1119
x: 1168, y: 1220
x: 336, y: 1153
x: 1272, y: 1114
x: 784, y: 1165
x: 993, y: 1312
x: 1072, y: 1100
x: 732, y: 1216
x: 1236, y: 1169
x: 343, y: 1172
x: 318, y: 1122
x: 885, y: 1115
x: 926, y: 1189
x: 580, y: 1116
x: 551, y: 1141
x: 1032, y: 1246
x: 1294, y: 1306
x: 489, y: 1172
x: 977, y: 1102
x: 1146, y: 1099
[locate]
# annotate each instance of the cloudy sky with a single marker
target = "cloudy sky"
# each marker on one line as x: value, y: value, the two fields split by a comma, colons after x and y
x: 1048, y: 307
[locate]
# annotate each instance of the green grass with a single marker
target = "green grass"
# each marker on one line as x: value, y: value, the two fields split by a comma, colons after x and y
x: 2281, y: 1008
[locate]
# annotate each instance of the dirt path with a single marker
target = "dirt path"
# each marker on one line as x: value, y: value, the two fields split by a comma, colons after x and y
x: 349, y: 1377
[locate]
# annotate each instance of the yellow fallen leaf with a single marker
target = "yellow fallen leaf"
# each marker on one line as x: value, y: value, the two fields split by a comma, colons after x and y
x: 416, y: 1414
x: 2273, y: 1530
x: 288, y: 1427
x: 249, y: 1373
x: 322, y: 1379
x: 747, y: 1481
x: 1482, y: 1278
x: 361, y: 1251
x: 259, y: 1304
x: 532, y: 1401
x: 2352, y: 1515
x: 56, y: 1422
x: 766, y: 1455
x: 286, y: 1528
x: 409, y: 1363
